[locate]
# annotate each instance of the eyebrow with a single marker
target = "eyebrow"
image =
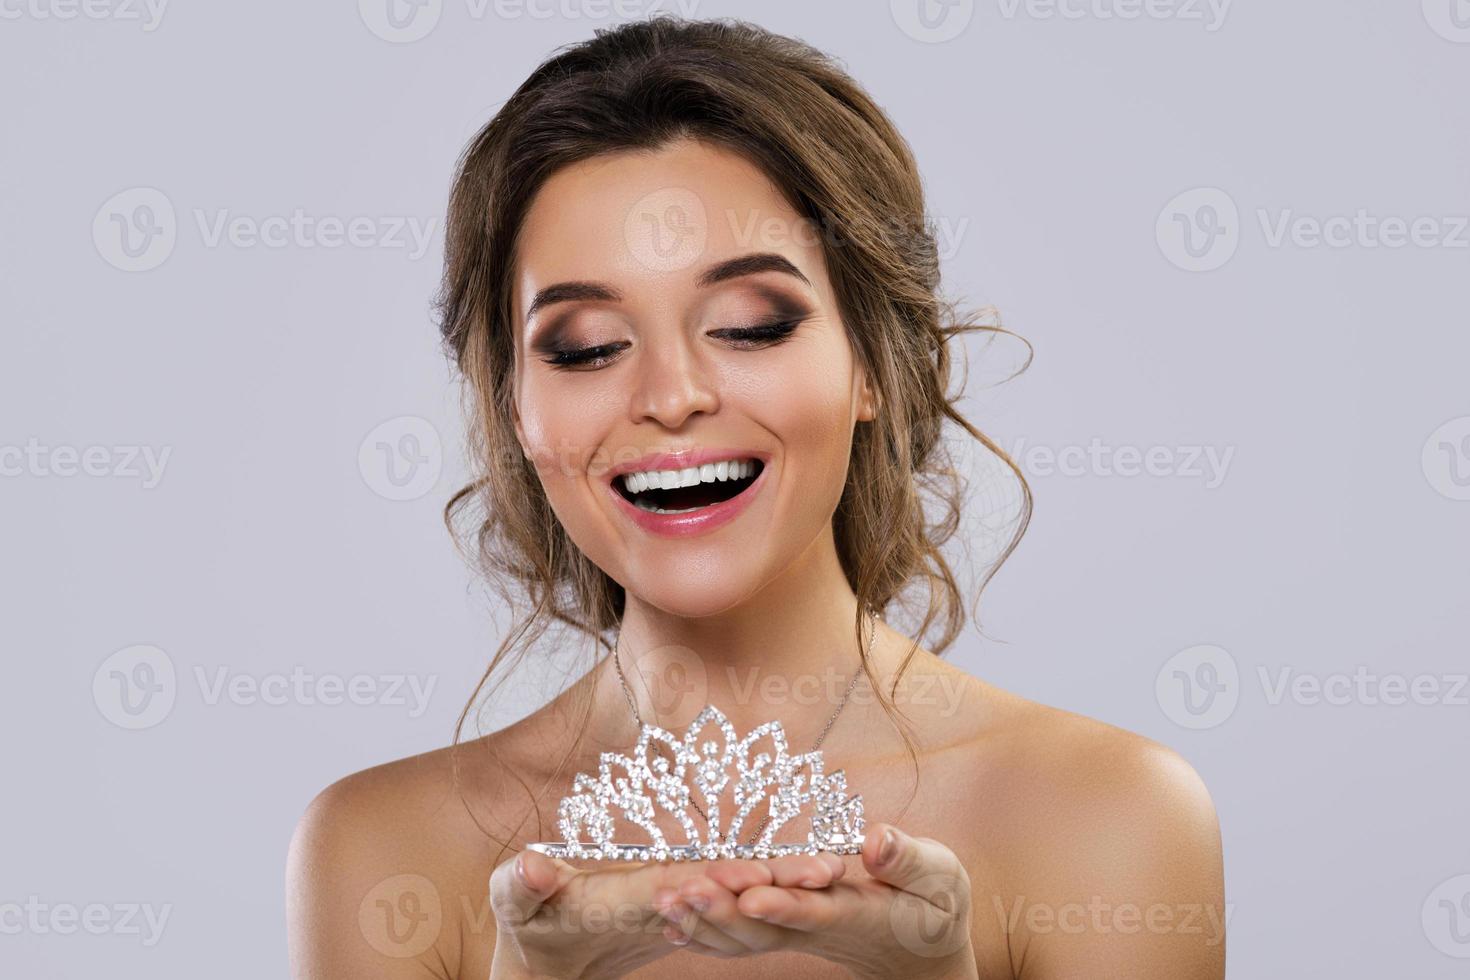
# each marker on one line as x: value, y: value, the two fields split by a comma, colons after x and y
x: 743, y: 265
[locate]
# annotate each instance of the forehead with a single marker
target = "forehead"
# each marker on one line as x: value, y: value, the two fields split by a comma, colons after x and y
x: 655, y: 219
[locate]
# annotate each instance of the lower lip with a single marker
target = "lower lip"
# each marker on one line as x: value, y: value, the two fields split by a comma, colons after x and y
x: 695, y: 521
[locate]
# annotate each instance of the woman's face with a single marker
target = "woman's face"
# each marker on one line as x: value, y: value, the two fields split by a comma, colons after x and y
x: 674, y: 319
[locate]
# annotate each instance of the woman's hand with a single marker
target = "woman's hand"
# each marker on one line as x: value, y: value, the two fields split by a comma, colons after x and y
x: 911, y: 919
x: 553, y: 919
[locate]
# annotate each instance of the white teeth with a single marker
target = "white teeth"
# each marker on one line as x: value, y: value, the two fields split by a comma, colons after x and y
x: 728, y: 469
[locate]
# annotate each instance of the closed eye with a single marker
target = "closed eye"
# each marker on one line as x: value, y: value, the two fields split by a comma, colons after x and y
x: 584, y: 357
x: 747, y: 338
x: 762, y: 335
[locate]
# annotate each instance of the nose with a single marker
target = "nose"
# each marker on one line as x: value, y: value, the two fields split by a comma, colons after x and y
x: 673, y: 383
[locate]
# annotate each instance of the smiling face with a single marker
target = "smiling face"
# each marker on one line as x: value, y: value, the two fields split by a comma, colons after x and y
x: 684, y: 382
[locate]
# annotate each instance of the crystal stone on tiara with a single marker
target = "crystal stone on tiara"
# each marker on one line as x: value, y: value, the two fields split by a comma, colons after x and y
x: 635, y: 784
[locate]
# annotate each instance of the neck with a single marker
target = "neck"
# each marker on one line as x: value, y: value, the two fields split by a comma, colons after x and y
x: 787, y: 653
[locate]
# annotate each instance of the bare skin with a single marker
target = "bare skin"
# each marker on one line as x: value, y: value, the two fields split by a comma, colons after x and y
x: 1047, y: 811
x: 1034, y: 844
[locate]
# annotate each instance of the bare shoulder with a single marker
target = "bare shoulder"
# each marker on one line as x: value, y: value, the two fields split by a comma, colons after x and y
x: 1103, y: 847
x: 388, y: 866
x: 1039, y: 763
x: 1079, y: 762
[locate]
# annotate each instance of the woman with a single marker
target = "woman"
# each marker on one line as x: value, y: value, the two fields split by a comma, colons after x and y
x: 690, y: 286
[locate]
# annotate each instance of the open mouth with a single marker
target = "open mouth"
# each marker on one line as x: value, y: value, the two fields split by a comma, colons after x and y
x: 685, y: 490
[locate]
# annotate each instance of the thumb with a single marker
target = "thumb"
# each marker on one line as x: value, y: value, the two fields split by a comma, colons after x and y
x: 541, y: 875
x: 919, y: 866
x: 522, y: 885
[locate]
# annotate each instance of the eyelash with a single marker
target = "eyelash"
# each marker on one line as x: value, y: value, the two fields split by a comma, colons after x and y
x: 750, y: 338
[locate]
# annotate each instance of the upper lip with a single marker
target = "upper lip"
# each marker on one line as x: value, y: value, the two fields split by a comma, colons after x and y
x: 679, y: 459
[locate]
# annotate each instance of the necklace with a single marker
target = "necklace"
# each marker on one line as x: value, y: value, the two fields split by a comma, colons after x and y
x: 821, y: 737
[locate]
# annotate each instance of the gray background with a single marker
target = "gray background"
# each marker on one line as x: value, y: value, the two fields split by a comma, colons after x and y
x: 1055, y: 149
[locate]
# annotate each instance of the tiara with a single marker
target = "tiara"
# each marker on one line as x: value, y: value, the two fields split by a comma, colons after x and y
x: 634, y: 784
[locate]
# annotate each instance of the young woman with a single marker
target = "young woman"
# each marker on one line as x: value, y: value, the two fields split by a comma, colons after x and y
x: 691, y: 289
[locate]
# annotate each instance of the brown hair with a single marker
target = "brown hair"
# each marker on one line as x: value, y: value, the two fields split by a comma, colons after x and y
x: 797, y: 115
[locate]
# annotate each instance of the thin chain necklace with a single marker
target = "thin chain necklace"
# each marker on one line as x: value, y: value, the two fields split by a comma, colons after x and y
x: 821, y: 737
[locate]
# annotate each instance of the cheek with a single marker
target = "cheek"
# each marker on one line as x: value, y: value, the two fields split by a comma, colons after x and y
x: 562, y: 430
x: 809, y: 409
x: 566, y: 428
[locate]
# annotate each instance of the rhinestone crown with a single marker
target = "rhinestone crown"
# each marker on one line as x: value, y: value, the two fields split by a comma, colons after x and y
x: 635, y: 783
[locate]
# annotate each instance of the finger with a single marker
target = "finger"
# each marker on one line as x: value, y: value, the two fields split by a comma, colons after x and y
x: 803, y: 909
x: 618, y: 885
x: 737, y: 874
x: 806, y: 870
x: 920, y: 866
x: 789, y: 871
x: 719, y: 910
x: 691, y: 929
x: 672, y: 934
x: 665, y: 904
x: 522, y: 885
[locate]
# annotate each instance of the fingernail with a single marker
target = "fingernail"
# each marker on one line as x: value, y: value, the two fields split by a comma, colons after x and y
x: 809, y: 883
x: 520, y: 870
x: 755, y: 915
x: 699, y: 902
x: 888, y: 847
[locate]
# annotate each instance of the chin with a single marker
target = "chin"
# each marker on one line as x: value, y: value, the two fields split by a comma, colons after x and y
x: 694, y: 588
